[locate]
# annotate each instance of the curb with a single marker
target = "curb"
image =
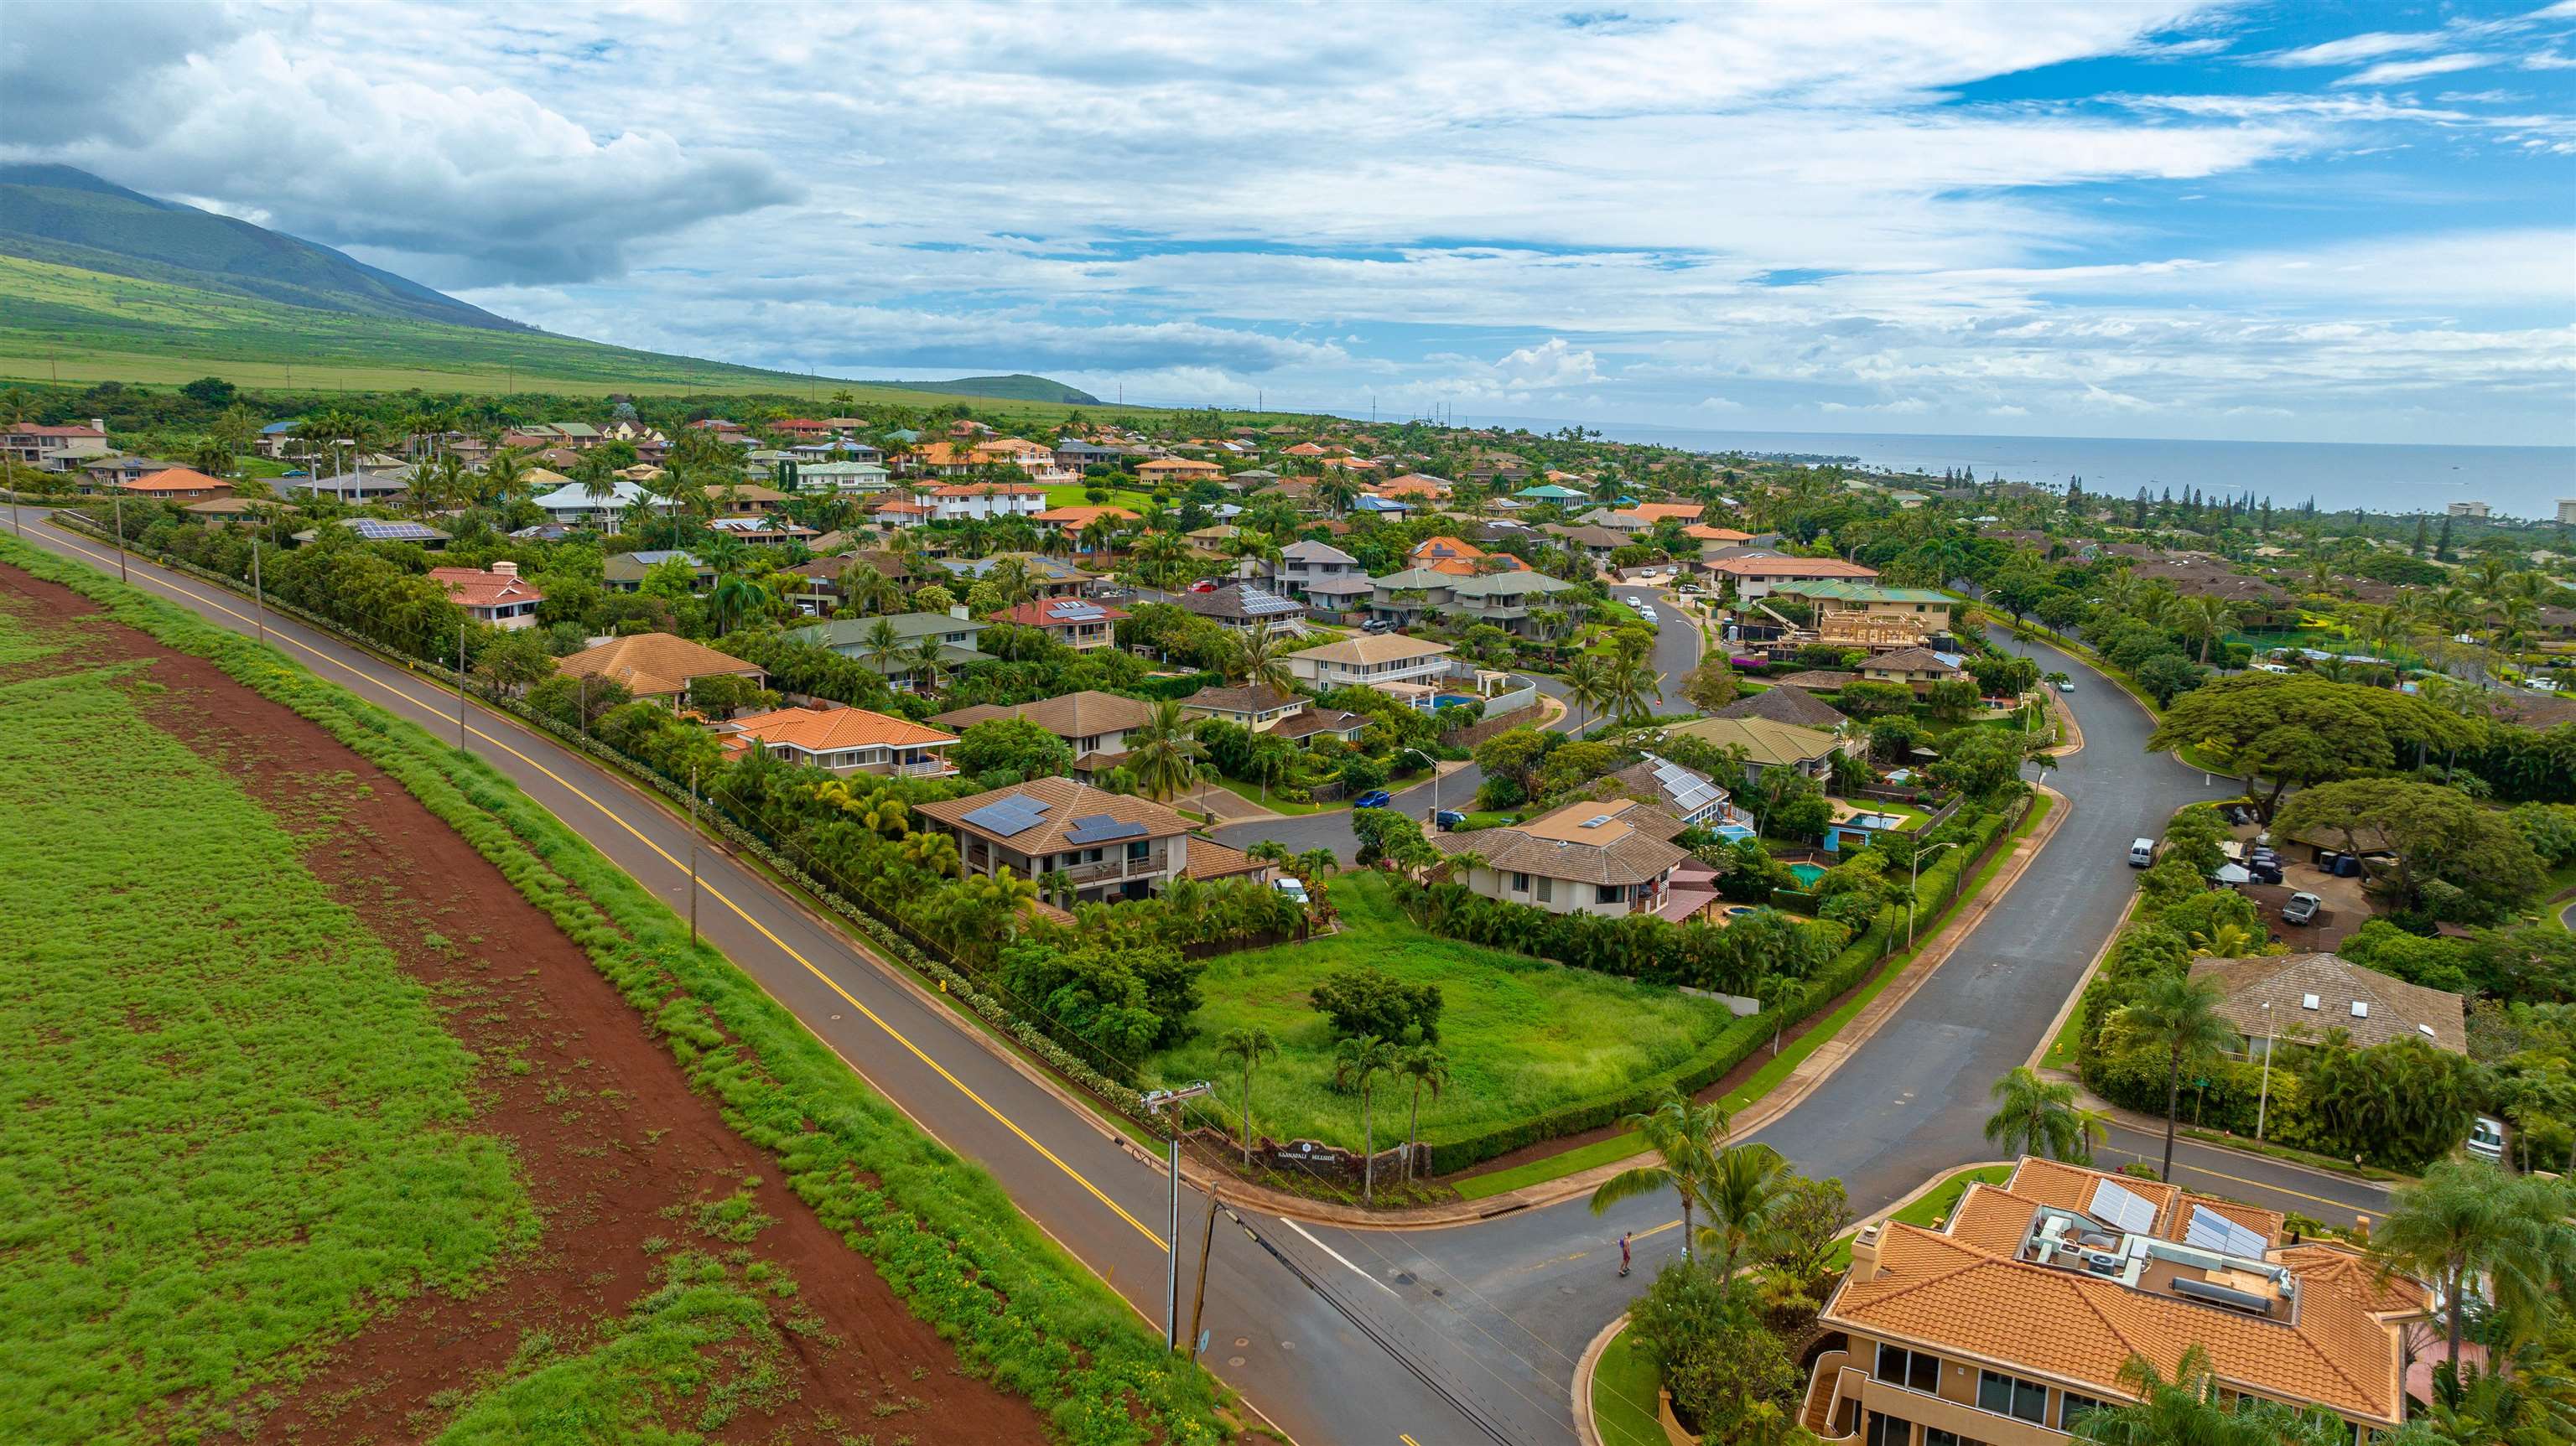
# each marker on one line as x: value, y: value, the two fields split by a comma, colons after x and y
x: 1585, y: 1432
x: 2075, y: 996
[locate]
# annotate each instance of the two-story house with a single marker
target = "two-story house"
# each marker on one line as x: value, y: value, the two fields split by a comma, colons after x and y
x: 1244, y: 608
x: 1868, y: 615
x: 575, y: 505
x: 1321, y: 575
x: 2015, y: 1318
x: 1106, y: 845
x: 1093, y: 724
x: 53, y: 449
x: 1078, y: 623
x: 626, y: 571
x: 1051, y: 577
x: 1593, y: 856
x: 1504, y: 599
x: 498, y: 597
x: 1756, y: 575
x: 1916, y: 668
x: 1368, y: 661
x: 1247, y: 705
x: 843, y: 740
x: 973, y: 501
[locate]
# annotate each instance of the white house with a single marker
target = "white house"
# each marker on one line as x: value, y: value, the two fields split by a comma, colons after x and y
x: 574, y: 505
x: 1367, y: 661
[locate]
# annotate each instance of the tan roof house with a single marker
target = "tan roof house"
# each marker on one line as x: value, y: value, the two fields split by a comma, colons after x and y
x: 2308, y: 996
x: 656, y: 666
x: 1916, y: 668
x: 1093, y: 724
x: 1108, y: 845
x: 1768, y: 744
x: 1368, y: 660
x: 1248, y: 706
x: 2014, y: 1319
x: 1593, y: 856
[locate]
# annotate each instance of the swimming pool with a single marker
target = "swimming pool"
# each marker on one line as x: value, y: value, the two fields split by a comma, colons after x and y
x: 1807, y: 874
x: 1450, y: 700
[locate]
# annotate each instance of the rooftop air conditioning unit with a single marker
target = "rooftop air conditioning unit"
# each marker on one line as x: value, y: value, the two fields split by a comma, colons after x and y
x: 2101, y: 1262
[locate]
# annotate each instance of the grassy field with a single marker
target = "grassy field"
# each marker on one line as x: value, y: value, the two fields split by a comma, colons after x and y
x: 1623, y: 1396
x: 1521, y: 1035
x: 237, y: 1127
x: 65, y: 323
x: 1933, y: 1208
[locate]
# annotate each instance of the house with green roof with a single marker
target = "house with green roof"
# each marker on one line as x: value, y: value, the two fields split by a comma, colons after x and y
x: 856, y: 638
x: 1848, y: 610
x: 1505, y: 599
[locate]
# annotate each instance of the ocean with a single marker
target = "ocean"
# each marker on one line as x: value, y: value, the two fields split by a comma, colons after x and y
x: 2512, y: 481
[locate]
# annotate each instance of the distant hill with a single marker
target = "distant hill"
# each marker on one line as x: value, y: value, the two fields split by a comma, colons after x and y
x: 99, y: 283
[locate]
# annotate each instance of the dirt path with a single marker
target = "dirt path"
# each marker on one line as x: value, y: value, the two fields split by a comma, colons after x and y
x: 625, y: 1162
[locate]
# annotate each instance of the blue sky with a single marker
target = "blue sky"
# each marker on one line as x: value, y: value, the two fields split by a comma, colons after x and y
x: 2258, y: 221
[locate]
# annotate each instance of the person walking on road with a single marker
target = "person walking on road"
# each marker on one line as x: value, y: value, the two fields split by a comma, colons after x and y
x: 1623, y: 1254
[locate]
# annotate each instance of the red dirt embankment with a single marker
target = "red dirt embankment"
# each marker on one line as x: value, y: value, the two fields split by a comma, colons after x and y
x: 614, y: 1147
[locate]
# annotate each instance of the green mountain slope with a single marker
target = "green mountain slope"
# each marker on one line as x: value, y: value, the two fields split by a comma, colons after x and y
x: 99, y: 283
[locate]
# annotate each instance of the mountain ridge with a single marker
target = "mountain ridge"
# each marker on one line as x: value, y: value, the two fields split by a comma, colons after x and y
x: 133, y: 285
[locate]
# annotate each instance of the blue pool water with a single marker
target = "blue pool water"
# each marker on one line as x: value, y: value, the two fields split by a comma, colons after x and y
x: 1450, y: 700
x: 1807, y: 874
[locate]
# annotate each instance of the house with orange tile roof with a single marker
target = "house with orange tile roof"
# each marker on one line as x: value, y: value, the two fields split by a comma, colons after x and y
x: 973, y: 501
x: 55, y: 449
x: 1303, y: 449
x: 497, y: 597
x: 2011, y: 1321
x: 1459, y: 558
x: 1178, y: 469
x: 1654, y: 512
x: 1705, y: 533
x: 1076, y: 520
x: 1417, y: 485
x: 1755, y: 576
x: 176, y: 484
x: 843, y: 740
x: 1077, y: 622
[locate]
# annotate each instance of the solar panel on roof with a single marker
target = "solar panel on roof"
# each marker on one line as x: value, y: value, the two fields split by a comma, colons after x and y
x: 1102, y: 828
x: 2116, y: 1207
x: 1009, y: 816
x: 2210, y: 1230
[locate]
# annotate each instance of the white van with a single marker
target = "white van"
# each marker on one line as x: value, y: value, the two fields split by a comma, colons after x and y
x: 2142, y: 853
x: 2486, y: 1138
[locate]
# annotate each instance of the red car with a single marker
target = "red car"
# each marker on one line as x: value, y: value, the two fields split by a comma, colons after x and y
x: 1202, y: 585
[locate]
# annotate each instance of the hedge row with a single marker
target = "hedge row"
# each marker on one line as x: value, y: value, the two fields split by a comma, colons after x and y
x: 1017, y: 1310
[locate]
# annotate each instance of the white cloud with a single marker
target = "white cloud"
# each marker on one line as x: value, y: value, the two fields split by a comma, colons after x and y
x: 2398, y: 72
x: 1552, y: 363
x: 1719, y: 404
x: 2353, y: 48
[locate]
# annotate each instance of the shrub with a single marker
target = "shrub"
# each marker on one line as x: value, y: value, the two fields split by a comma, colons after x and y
x: 1369, y: 1000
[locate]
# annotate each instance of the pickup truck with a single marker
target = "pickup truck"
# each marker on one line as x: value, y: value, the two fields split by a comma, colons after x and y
x: 2302, y: 909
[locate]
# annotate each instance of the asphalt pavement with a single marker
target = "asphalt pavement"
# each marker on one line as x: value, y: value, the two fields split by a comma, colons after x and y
x: 1467, y: 1334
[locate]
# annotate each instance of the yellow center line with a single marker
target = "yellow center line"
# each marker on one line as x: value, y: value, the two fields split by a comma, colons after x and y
x: 717, y: 894
x: 1657, y: 1230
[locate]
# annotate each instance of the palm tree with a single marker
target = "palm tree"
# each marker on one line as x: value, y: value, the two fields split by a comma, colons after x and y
x: 2034, y: 1116
x: 884, y: 644
x: 1163, y: 755
x: 1356, y: 1065
x: 1250, y: 1043
x: 735, y: 596
x: 1259, y: 660
x: 1314, y: 863
x: 1629, y: 689
x: 2180, y: 1016
x: 1427, y: 1068
x: 1586, y: 684
x: 1684, y: 1137
x: 929, y: 657
x: 2205, y: 618
x: 2467, y: 1220
x: 1743, y: 1196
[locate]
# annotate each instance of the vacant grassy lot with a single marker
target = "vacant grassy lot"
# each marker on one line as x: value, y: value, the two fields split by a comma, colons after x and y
x: 235, y: 1125
x: 1521, y: 1035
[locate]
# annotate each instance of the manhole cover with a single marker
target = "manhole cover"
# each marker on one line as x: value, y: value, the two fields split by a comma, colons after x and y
x: 1234, y: 1360
x: 1243, y: 1340
x: 1404, y: 1277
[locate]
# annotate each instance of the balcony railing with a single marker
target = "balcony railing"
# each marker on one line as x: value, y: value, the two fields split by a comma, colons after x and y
x: 1151, y: 865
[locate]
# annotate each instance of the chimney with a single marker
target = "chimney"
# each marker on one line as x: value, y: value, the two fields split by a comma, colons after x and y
x: 506, y: 568
x: 1864, y: 1256
x: 959, y: 612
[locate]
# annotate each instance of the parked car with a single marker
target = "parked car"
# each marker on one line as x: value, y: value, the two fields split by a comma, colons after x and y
x: 2302, y: 908
x: 1374, y: 798
x: 1203, y: 585
x: 2142, y: 853
x: 2263, y: 871
x: 2486, y: 1138
x: 1292, y: 887
x: 2066, y: 685
x: 1377, y: 625
x: 2543, y: 685
x: 1448, y: 818
x: 1647, y: 611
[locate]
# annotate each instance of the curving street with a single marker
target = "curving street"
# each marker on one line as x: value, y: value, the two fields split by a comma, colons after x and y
x: 1394, y: 1336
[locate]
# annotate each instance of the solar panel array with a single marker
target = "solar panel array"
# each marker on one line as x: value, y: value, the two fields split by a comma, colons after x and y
x: 2121, y: 1210
x: 1102, y: 828
x: 1009, y: 816
x: 1689, y: 792
x: 2210, y: 1230
x: 1260, y: 603
x: 378, y: 529
x: 1074, y: 610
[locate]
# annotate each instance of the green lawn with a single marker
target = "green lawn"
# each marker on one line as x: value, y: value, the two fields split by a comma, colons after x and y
x: 2061, y: 1050
x: 1933, y: 1208
x: 1274, y: 802
x: 1521, y: 1035
x: 237, y: 1127
x: 1623, y: 1396
x: 1078, y: 494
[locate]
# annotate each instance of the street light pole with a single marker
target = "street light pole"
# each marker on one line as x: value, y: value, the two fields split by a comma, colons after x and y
x: 258, y: 598
x: 460, y: 682
x: 693, y: 855
x: 2263, y: 1105
x: 119, y: 503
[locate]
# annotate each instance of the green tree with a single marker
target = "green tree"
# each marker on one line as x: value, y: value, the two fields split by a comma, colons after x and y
x: 1711, y: 685
x: 1010, y: 745
x: 2035, y: 1116
x: 1163, y: 755
x: 1366, y: 1000
x: 1683, y: 1137
x: 2467, y: 1221
x: 1424, y: 1067
x: 1586, y: 686
x: 2186, y: 1411
x: 2451, y: 856
x: 2179, y: 1015
x: 2305, y: 730
x: 1356, y: 1065
x: 1746, y: 1187
x: 1251, y: 1044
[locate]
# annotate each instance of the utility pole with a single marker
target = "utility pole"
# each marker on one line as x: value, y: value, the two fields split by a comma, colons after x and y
x: 1198, y: 1299
x: 2263, y: 1105
x: 460, y: 682
x: 1172, y: 1243
x: 693, y: 855
x: 258, y: 599
x: 120, y: 537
